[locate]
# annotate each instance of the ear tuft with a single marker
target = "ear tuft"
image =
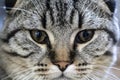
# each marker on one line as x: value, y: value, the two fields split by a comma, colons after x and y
x: 10, y: 4
x: 111, y: 4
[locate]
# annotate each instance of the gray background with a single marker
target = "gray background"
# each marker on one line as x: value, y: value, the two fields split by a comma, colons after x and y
x: 2, y: 13
x: 118, y: 10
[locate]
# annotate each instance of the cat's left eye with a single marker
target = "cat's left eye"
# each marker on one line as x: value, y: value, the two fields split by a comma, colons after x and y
x: 84, y: 36
x: 39, y: 36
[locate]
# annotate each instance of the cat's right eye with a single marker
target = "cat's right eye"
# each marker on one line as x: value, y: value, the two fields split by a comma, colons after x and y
x: 84, y: 36
x: 39, y: 36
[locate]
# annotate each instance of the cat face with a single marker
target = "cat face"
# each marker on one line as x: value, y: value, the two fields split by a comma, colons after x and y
x: 58, y: 40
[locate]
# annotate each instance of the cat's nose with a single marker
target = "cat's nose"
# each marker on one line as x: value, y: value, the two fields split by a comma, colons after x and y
x: 62, y: 65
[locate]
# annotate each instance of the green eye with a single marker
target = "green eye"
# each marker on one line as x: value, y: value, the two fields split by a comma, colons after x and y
x: 84, y: 36
x: 39, y: 36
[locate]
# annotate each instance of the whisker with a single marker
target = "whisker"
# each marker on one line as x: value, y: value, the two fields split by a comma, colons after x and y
x: 29, y: 77
x: 19, y: 9
x: 87, y: 78
x: 113, y: 75
x: 37, y: 78
x: 10, y: 74
x: 19, y: 76
x: 95, y: 78
x: 92, y: 77
x: 22, y: 71
x: 24, y: 76
x: 101, y: 75
x: 106, y: 73
x: 107, y: 67
x: 16, y: 72
x: 86, y: 8
x: 83, y: 7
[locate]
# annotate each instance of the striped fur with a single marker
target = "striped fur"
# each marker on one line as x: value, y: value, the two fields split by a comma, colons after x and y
x: 61, y: 20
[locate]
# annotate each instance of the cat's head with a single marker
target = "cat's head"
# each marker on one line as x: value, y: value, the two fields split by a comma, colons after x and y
x: 59, y: 39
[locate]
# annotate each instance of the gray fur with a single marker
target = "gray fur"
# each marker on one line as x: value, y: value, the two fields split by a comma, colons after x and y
x: 19, y: 52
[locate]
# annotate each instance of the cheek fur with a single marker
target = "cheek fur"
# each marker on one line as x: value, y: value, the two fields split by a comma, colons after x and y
x: 24, y: 46
x: 98, y: 45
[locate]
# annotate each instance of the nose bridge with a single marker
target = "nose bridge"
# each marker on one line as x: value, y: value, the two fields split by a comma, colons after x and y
x: 62, y: 59
x: 61, y: 56
x: 62, y: 52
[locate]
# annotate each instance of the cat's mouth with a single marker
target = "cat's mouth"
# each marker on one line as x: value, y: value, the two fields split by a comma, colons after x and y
x: 62, y: 77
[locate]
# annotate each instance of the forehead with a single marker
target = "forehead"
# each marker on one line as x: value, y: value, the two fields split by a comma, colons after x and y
x: 67, y: 13
x: 63, y: 16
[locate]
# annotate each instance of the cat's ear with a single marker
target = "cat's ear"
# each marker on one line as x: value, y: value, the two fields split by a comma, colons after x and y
x: 111, y: 5
x: 10, y: 4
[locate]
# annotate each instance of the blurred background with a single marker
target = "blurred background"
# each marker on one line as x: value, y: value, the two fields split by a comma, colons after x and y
x: 10, y: 4
x: 2, y: 13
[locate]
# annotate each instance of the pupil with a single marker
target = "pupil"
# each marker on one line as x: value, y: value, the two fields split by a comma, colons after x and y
x: 86, y: 35
x: 38, y: 34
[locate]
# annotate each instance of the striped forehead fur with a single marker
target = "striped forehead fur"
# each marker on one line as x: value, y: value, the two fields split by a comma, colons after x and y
x: 88, y: 11
x: 62, y: 11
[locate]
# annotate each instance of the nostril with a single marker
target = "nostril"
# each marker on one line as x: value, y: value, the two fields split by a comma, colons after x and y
x: 62, y: 69
x: 62, y: 65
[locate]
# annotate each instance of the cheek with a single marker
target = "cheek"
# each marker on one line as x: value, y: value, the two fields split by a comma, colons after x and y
x: 93, y: 51
x: 13, y: 64
x: 25, y: 46
x: 21, y: 44
x: 103, y: 60
x: 98, y: 46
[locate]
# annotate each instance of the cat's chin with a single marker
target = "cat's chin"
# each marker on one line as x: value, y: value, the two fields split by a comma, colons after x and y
x: 66, y: 78
x: 62, y: 78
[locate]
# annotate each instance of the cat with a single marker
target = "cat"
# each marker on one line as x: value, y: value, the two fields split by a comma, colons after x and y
x: 59, y: 40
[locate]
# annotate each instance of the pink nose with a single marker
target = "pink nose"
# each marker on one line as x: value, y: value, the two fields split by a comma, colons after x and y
x: 62, y: 65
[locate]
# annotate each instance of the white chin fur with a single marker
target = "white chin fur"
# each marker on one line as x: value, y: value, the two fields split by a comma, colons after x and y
x: 70, y: 72
x: 54, y: 72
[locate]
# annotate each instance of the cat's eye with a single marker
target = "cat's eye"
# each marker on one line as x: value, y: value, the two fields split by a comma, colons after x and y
x: 39, y: 36
x: 84, y: 36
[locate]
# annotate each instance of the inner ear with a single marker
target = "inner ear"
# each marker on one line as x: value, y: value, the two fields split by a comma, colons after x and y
x: 10, y: 4
x: 111, y: 4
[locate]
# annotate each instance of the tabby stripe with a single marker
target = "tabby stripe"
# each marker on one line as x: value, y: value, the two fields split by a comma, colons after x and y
x: 51, y: 16
x: 16, y: 54
x: 108, y: 53
x: 62, y: 13
x: 11, y: 34
x: 71, y: 16
x: 43, y: 20
x: 112, y: 35
x: 61, y: 8
x: 80, y: 21
x: 74, y: 3
x: 48, y: 4
x: 51, y: 11
x: 56, y: 4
